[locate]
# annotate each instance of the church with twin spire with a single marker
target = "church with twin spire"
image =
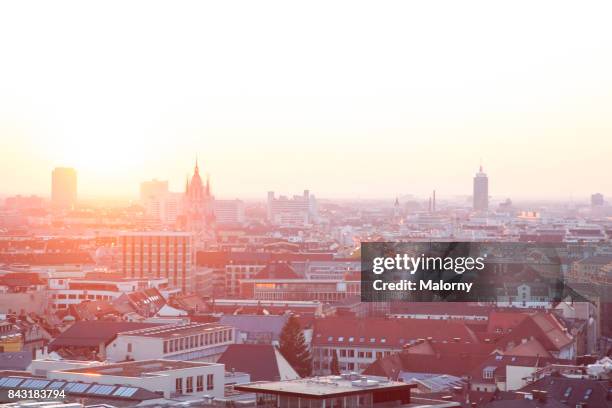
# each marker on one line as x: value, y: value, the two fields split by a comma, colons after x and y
x: 198, y: 204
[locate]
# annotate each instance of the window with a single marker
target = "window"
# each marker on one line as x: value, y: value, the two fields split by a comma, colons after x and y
x: 200, y: 383
x: 351, y: 339
x: 342, y: 353
x: 189, y: 386
x: 210, y: 382
x: 368, y: 354
x: 165, y: 347
x: 129, y: 347
x: 351, y: 353
x: 361, y: 354
x: 340, y: 338
x: 330, y: 338
x: 379, y: 355
x: 372, y: 339
x: 383, y: 340
x: 201, y: 339
x: 182, y: 344
x: 179, y: 385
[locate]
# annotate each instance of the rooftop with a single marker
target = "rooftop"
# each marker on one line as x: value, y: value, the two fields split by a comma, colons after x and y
x: 174, y: 330
x: 325, y: 387
x: 143, y: 368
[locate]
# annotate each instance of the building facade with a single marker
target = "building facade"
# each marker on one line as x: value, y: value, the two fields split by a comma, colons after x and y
x: 159, y: 254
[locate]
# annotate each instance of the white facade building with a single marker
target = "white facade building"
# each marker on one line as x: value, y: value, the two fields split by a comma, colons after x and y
x: 196, y: 341
x: 64, y: 292
x: 175, y: 379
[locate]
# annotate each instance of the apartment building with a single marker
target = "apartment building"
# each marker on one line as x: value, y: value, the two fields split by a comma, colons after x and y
x: 159, y: 254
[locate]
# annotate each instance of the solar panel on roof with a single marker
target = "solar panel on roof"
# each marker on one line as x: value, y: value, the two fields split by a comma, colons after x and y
x: 129, y: 392
x: 76, y: 387
x: 11, y: 382
x: 125, y: 391
x: 55, y: 385
x: 119, y: 391
x: 34, y: 384
x: 101, y: 389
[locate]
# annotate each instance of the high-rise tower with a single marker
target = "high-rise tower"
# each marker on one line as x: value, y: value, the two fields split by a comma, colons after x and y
x: 481, y: 191
x: 64, y: 187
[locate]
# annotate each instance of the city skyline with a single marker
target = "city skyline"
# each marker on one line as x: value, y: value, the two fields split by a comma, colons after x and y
x: 402, y: 107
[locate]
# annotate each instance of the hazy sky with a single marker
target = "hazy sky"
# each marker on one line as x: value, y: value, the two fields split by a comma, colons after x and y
x: 349, y: 99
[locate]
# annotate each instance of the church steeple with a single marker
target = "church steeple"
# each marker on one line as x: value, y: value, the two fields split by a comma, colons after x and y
x: 197, y: 168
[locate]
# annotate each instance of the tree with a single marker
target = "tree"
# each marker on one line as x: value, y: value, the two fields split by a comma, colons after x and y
x: 294, y: 348
x: 334, y: 367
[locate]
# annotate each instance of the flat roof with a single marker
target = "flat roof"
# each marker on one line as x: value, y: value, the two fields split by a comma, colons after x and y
x: 144, y: 368
x: 325, y: 387
x: 175, y: 330
x: 155, y: 233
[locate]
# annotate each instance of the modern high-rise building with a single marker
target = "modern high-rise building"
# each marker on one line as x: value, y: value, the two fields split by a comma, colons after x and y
x: 159, y: 254
x: 229, y: 211
x: 296, y: 211
x: 481, y: 191
x: 597, y: 200
x: 64, y: 187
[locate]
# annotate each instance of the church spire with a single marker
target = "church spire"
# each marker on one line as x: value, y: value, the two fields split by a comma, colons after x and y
x: 197, y: 169
x: 208, y: 184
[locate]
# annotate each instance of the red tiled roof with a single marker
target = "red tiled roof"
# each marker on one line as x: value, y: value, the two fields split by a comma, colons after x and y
x: 505, y: 320
x: 544, y: 327
x: 387, y: 333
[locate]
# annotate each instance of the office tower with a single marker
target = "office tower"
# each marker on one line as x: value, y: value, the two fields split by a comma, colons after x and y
x: 296, y: 211
x: 160, y: 204
x: 481, y: 191
x: 229, y: 211
x: 64, y: 187
x: 597, y: 200
x: 159, y: 254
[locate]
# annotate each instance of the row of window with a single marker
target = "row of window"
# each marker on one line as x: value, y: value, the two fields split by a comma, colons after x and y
x: 351, y: 353
x: 199, y: 340
x: 361, y: 339
x: 82, y: 297
x: 199, y: 384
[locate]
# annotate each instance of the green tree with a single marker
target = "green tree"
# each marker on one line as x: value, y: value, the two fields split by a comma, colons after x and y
x: 294, y: 348
x: 334, y: 367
